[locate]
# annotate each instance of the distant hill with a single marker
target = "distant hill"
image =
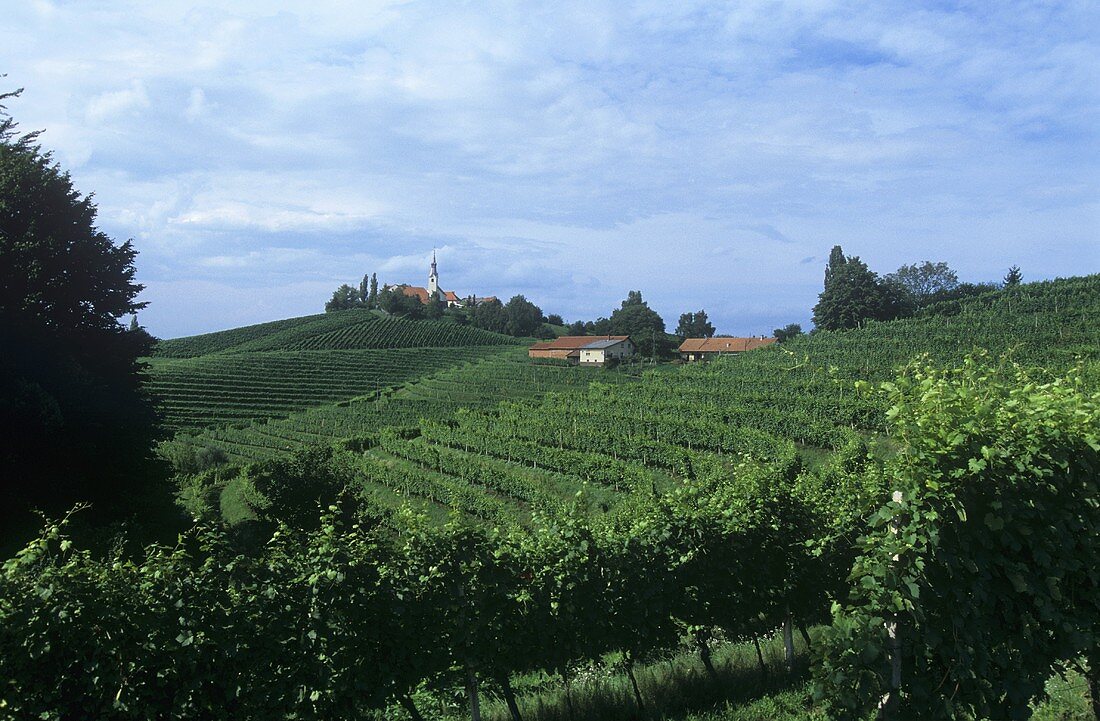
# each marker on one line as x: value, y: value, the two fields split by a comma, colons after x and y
x: 273, y: 369
x: 342, y: 330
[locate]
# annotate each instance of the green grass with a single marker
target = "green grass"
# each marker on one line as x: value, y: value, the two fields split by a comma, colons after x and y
x: 679, y: 689
x: 223, y: 388
x: 350, y: 329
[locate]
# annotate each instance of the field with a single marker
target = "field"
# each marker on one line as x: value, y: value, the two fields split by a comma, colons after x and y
x: 274, y: 369
x: 350, y: 329
x: 567, y: 543
x: 531, y: 436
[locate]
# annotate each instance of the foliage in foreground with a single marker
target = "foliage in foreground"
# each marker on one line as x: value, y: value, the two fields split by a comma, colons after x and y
x: 993, y: 588
x: 986, y: 561
x: 75, y: 423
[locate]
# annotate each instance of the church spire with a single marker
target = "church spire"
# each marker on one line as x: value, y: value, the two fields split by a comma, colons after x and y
x: 433, y: 277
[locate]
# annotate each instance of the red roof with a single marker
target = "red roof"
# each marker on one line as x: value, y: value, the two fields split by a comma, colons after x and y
x: 450, y: 296
x: 723, y: 345
x: 417, y: 292
x: 574, y: 342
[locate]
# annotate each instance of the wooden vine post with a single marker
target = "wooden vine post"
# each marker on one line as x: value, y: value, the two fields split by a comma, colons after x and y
x: 889, y: 704
x: 788, y: 639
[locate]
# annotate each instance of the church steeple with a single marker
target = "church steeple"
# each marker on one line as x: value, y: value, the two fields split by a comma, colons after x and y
x: 433, y: 278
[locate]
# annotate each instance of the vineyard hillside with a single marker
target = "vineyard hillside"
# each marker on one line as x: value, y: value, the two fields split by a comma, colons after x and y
x: 342, y: 330
x: 502, y: 437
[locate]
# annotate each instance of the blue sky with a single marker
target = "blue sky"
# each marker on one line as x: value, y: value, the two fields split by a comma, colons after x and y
x: 709, y: 154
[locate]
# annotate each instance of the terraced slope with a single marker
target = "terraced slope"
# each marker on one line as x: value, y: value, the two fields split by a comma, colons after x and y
x: 533, y: 436
x: 343, y: 330
x: 233, y: 387
x: 499, y: 375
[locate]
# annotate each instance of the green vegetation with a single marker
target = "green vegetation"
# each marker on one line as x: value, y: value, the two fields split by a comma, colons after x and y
x: 221, y: 388
x: 490, y: 378
x: 498, y: 533
x: 75, y: 423
x: 352, y: 329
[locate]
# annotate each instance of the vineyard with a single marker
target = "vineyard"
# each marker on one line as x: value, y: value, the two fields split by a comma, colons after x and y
x: 495, y: 376
x: 344, y: 330
x: 489, y: 521
x: 235, y: 387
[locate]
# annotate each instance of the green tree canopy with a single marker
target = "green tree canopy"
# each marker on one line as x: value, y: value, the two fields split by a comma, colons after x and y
x: 636, y: 319
x: 695, y: 325
x: 490, y: 315
x: 787, y: 332
x: 75, y: 423
x: 1014, y: 277
x: 924, y: 281
x: 524, y: 317
x: 394, y: 301
x: 343, y: 298
x: 854, y: 294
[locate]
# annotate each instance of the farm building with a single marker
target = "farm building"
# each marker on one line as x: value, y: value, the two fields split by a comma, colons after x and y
x: 699, y: 349
x: 585, y: 349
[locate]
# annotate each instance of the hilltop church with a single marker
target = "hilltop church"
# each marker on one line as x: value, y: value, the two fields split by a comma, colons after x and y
x: 424, y: 295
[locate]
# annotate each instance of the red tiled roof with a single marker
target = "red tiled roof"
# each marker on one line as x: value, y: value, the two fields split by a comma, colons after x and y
x: 450, y: 296
x: 574, y: 342
x: 417, y: 292
x: 723, y: 345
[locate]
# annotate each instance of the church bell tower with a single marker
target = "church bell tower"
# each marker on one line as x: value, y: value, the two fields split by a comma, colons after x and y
x: 433, y: 278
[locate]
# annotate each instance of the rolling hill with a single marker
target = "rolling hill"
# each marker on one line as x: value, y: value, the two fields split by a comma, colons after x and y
x: 547, y: 428
x: 273, y: 369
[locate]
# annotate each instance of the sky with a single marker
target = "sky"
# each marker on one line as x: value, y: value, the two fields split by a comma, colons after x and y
x: 709, y: 154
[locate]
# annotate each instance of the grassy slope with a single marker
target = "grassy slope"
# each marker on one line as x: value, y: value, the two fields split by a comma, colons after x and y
x: 679, y: 688
x: 801, y: 392
x: 273, y: 369
x: 809, y: 381
x: 312, y: 331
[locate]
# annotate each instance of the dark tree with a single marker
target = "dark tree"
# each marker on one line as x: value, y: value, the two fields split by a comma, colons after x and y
x: 924, y: 281
x: 853, y: 294
x: 636, y: 319
x: 895, y: 300
x: 490, y: 315
x: 364, y: 291
x: 543, y: 332
x: 836, y: 261
x: 694, y: 325
x: 524, y: 317
x: 555, y: 319
x: 787, y: 332
x: 434, y: 309
x: 1014, y: 277
x: 577, y: 327
x: 75, y: 422
x: 394, y: 301
x: 372, y: 297
x: 601, y: 326
x: 343, y: 298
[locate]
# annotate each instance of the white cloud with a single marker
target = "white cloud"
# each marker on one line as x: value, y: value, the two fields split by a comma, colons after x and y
x: 196, y: 105
x: 110, y: 105
x: 698, y: 151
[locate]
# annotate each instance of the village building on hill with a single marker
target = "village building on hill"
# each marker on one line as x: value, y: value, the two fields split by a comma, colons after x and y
x: 701, y: 349
x: 586, y: 350
x: 452, y: 299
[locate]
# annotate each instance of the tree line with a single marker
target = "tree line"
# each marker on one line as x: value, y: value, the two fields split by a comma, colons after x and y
x: 854, y: 294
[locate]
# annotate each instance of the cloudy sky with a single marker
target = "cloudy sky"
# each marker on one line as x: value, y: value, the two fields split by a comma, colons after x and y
x: 709, y: 154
